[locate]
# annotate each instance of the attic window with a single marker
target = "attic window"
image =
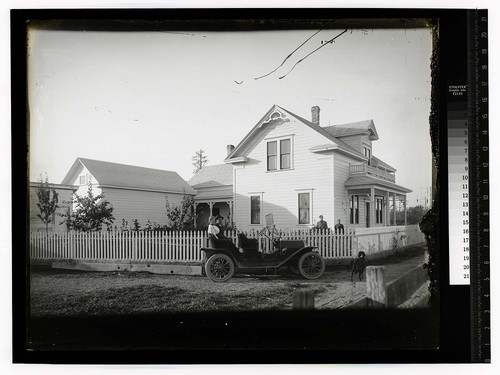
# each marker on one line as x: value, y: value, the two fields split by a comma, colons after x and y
x: 83, y: 179
x: 368, y: 154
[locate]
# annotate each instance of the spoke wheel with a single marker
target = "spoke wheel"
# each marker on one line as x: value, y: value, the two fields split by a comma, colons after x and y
x: 311, y: 265
x: 219, y: 268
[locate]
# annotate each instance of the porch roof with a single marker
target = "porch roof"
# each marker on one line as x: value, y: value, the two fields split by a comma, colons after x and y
x: 364, y: 181
x: 214, y: 194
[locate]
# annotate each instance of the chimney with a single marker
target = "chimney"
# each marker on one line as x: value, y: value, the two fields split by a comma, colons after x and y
x: 230, y: 149
x: 315, y: 115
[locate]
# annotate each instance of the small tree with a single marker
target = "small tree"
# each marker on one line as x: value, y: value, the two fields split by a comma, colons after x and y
x: 90, y: 213
x: 181, y: 217
x: 199, y: 160
x: 47, y: 201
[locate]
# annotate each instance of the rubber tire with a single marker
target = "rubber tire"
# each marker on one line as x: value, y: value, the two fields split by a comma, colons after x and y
x: 303, y: 263
x: 223, y: 258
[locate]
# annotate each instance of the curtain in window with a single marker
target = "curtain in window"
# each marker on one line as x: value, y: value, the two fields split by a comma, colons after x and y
x: 304, y: 208
x: 272, y: 155
x: 255, y: 210
x: 285, y: 152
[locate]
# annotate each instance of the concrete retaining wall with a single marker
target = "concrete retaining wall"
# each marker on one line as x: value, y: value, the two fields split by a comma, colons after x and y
x: 171, y: 269
x: 393, y: 294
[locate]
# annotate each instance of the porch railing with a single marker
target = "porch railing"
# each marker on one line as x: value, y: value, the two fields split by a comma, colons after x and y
x: 363, y: 168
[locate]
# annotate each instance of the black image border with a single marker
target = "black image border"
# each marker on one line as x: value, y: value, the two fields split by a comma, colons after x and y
x: 375, y: 336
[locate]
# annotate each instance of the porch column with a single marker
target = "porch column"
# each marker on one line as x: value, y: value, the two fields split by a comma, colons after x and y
x: 195, y: 218
x: 230, y: 204
x: 211, y: 206
x: 404, y: 206
x: 394, y: 208
x: 372, y: 207
x: 387, y: 210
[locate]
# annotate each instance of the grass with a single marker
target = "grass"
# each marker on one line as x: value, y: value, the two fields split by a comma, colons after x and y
x: 154, y: 298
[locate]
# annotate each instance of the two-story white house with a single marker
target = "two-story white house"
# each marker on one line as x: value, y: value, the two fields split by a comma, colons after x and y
x: 298, y: 170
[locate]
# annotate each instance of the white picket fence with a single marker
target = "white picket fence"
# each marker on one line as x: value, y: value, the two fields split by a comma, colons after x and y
x: 171, y: 246
x: 184, y: 246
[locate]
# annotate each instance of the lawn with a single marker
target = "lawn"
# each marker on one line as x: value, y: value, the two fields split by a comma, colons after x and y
x: 71, y: 293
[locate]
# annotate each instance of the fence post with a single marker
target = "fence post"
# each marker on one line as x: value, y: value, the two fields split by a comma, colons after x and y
x: 376, y: 286
x: 303, y: 300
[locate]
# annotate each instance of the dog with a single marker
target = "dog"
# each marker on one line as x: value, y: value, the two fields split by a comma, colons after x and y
x: 359, y: 266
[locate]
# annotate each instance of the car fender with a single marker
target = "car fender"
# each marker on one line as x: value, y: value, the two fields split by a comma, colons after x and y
x: 210, y: 252
x: 297, y: 254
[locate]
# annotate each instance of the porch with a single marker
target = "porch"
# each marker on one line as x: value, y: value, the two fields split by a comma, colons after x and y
x: 375, y: 201
x: 219, y: 208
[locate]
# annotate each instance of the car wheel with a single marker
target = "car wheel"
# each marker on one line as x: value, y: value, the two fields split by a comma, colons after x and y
x: 311, y: 265
x: 219, y: 268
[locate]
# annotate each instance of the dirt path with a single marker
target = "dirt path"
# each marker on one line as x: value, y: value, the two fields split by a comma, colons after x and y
x: 56, y: 292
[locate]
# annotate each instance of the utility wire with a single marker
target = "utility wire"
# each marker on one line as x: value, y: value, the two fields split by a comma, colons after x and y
x: 279, y: 66
x: 309, y: 54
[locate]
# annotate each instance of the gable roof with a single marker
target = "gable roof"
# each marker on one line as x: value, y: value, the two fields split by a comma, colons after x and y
x: 354, y: 128
x: 130, y: 177
x: 337, y: 143
x: 213, y: 175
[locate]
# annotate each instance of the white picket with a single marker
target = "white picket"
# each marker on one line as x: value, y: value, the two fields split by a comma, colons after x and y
x: 183, y: 246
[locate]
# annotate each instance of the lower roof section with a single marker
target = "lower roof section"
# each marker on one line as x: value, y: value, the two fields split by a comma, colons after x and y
x: 368, y: 181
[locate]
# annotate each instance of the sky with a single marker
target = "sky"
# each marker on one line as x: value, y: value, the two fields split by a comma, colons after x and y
x: 154, y: 98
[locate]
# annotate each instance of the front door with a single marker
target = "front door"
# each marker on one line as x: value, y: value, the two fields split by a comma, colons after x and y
x: 367, y: 214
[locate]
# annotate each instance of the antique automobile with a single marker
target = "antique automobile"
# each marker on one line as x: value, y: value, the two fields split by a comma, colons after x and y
x: 224, y: 258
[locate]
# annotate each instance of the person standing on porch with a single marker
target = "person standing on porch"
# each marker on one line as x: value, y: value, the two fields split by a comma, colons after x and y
x: 339, y: 228
x: 321, y: 224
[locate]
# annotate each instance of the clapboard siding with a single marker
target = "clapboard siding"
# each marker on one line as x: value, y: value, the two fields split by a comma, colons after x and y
x: 357, y: 141
x: 212, y: 192
x: 340, y: 196
x: 354, y: 141
x: 280, y: 189
x: 141, y: 205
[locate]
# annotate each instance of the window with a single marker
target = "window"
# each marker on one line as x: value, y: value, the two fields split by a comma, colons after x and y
x: 354, y: 209
x: 304, y: 208
x: 83, y: 179
x: 283, y: 148
x: 285, y: 154
x: 368, y: 154
x: 379, y: 204
x: 272, y: 153
x: 255, y: 209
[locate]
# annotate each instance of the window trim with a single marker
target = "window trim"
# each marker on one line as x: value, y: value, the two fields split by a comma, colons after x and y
x: 278, y: 155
